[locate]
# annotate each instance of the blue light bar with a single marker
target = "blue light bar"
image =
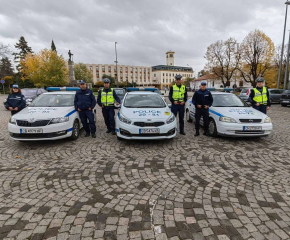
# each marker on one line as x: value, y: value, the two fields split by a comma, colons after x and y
x: 210, y: 89
x: 131, y: 89
x: 52, y: 89
x: 150, y: 89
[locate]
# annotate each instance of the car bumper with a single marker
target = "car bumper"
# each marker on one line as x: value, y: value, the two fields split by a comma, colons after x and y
x: 282, y: 101
x: 49, y: 132
x: 127, y: 131
x: 236, y: 130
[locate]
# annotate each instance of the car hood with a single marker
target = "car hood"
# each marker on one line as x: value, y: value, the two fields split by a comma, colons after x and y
x: 238, y: 112
x: 144, y: 114
x: 44, y: 112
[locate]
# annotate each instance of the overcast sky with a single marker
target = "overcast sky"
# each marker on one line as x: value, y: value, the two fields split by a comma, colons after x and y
x: 144, y: 29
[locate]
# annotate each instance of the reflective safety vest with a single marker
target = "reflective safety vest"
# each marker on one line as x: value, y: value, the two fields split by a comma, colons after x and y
x: 107, y: 98
x: 178, y: 93
x: 261, y: 97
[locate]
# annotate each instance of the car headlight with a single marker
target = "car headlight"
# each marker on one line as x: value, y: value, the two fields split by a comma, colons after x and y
x: 12, y: 121
x: 227, y: 119
x: 59, y: 120
x: 170, y: 119
x: 267, y: 120
x: 124, y: 119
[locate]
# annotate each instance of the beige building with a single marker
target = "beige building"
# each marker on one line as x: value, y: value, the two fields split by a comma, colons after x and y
x: 138, y: 74
x: 163, y: 75
x: 160, y: 76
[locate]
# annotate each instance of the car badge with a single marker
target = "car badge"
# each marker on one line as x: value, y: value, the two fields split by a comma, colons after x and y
x: 251, y: 120
x: 31, y: 120
x: 149, y: 120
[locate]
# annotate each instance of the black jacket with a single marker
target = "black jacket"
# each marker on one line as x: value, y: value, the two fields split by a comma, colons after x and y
x: 252, y: 95
x: 15, y: 100
x: 117, y: 99
x: 84, y: 99
x: 202, y: 98
x: 171, y: 91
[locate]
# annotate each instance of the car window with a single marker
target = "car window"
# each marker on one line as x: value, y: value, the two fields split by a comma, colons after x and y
x: 244, y: 90
x: 144, y: 101
x: 54, y: 100
x: 119, y: 91
x: 227, y: 100
x: 286, y: 92
x: 276, y: 91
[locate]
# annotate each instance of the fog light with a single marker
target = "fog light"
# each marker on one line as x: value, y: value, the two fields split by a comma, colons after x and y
x: 61, y: 132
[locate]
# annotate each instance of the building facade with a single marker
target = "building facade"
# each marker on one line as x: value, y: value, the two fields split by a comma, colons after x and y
x: 160, y: 76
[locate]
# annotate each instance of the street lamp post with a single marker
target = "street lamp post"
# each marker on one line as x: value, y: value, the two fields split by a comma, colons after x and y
x: 116, y: 65
x: 282, y: 50
x: 287, y: 64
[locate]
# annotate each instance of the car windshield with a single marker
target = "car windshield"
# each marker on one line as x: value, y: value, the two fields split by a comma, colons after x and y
x: 120, y: 92
x: 244, y: 90
x: 54, y: 100
x: 29, y: 92
x: 144, y: 101
x: 158, y: 91
x: 227, y: 100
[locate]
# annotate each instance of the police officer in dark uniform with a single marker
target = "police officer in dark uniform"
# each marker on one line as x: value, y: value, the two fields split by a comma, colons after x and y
x: 178, y: 97
x: 85, y: 102
x: 202, y: 100
x: 106, y: 100
x: 15, y: 101
x: 259, y: 96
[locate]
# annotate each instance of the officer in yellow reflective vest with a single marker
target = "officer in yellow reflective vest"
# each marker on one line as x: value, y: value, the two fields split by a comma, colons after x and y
x: 106, y: 99
x: 178, y: 97
x: 259, y: 96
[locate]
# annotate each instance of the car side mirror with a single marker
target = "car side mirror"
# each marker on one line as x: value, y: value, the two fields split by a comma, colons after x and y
x: 169, y: 105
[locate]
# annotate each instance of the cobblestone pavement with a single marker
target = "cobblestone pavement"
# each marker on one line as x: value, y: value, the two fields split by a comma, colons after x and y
x: 185, y: 188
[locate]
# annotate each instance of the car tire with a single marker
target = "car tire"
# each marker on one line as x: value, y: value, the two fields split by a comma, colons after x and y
x: 75, y: 130
x: 188, y: 118
x: 283, y: 105
x: 212, y: 129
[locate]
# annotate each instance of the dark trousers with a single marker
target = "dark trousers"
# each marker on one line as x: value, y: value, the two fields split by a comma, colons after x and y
x: 179, y: 109
x: 109, y: 117
x: 14, y: 112
x: 84, y: 116
x: 261, y: 108
x: 205, y: 114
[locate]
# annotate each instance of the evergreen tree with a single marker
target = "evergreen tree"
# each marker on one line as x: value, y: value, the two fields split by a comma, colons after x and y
x: 6, y: 68
x: 53, y: 48
x: 23, y: 48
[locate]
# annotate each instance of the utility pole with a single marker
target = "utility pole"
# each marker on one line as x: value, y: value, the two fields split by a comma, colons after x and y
x: 287, y: 63
x: 116, y: 74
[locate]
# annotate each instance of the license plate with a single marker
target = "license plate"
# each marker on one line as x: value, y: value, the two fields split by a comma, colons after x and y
x: 149, y: 130
x: 32, y: 131
x: 255, y: 128
x: 286, y: 101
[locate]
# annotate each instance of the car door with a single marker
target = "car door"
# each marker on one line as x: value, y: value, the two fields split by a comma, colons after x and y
x: 274, y: 95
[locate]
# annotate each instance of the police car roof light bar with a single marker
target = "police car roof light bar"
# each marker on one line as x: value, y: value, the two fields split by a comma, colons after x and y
x: 52, y: 89
x: 132, y: 89
x: 210, y: 89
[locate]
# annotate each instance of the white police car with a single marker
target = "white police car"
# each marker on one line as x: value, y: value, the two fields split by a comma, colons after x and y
x: 231, y: 116
x: 145, y: 115
x: 50, y: 116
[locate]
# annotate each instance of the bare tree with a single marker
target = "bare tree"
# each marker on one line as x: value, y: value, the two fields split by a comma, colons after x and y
x: 4, y: 50
x: 257, y: 51
x: 223, y: 59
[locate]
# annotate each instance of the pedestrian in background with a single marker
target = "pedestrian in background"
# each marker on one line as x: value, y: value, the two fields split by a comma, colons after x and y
x: 202, y: 100
x: 85, y: 102
x: 106, y: 100
x: 178, y: 97
x: 259, y: 96
x: 15, y: 101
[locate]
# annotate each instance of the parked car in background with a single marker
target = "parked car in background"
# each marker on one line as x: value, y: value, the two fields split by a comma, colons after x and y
x: 285, y: 98
x: 244, y: 94
x: 275, y: 95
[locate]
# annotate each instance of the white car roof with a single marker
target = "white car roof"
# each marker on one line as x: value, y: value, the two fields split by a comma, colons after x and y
x: 61, y: 92
x: 146, y: 92
x: 218, y: 93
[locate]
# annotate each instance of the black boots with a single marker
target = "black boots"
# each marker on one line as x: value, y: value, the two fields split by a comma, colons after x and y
x: 182, y: 132
x: 196, y: 132
x: 94, y: 135
x: 87, y: 134
x: 108, y: 131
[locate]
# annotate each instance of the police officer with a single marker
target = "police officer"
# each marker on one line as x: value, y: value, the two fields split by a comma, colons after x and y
x: 259, y: 96
x: 85, y: 102
x: 15, y: 101
x: 202, y: 100
x: 106, y: 99
x: 178, y: 97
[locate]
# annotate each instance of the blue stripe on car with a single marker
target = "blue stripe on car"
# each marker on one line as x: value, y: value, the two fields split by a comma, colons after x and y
x: 216, y: 113
x: 70, y: 113
x: 70, y: 129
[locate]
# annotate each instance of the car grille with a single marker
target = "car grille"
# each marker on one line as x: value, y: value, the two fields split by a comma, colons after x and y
x: 148, y: 124
x: 285, y: 96
x: 250, y: 120
x: 249, y: 132
x: 128, y: 134
x: 37, y: 135
x: 39, y: 123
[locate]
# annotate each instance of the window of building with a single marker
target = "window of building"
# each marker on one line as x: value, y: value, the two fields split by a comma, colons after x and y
x: 103, y: 69
x: 163, y: 80
x: 140, y: 70
x: 131, y: 69
x: 121, y: 69
x: 126, y: 69
x: 115, y: 69
x: 97, y: 68
x: 166, y: 74
x: 154, y: 74
x: 91, y: 68
x: 136, y: 70
x: 170, y: 55
x: 109, y: 68
x: 163, y: 74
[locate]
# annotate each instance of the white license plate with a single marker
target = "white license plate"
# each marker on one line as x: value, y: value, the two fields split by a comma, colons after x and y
x: 286, y: 101
x: 255, y: 128
x: 32, y: 131
x: 149, y: 130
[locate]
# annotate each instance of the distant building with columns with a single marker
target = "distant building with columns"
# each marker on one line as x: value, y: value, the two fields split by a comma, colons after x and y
x: 160, y: 76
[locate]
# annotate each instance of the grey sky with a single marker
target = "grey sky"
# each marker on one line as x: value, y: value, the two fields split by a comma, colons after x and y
x: 144, y: 30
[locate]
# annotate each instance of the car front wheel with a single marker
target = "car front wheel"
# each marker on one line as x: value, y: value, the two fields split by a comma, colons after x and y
x: 75, y: 130
x: 212, y: 130
x: 188, y: 118
x: 283, y: 105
